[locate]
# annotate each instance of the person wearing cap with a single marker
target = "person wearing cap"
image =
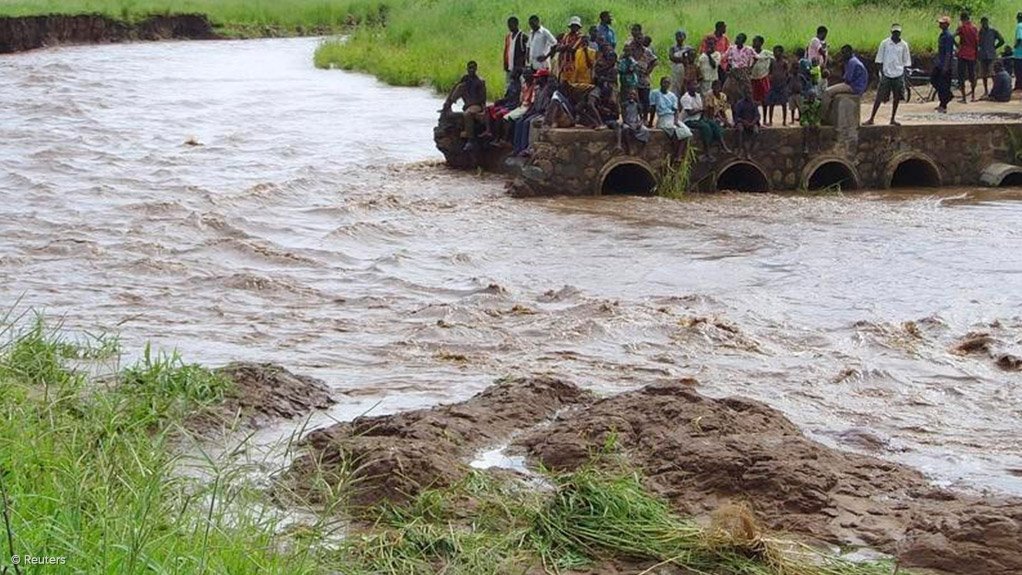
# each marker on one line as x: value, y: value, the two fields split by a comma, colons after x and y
x: 941, y: 76
x: 572, y: 42
x: 990, y: 41
x: 968, y: 52
x: 541, y: 45
x: 677, y: 57
x: 606, y: 30
x: 1017, y: 52
x: 894, y: 57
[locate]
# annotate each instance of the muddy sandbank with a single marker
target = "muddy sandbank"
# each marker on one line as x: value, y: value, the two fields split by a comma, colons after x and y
x: 697, y: 452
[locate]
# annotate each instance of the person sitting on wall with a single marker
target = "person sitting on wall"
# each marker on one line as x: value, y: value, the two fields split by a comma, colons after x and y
x: 668, y: 117
x: 607, y: 107
x: 496, y: 112
x: 471, y: 90
x: 747, y: 122
x: 855, y: 80
x: 692, y: 111
x: 633, y: 126
x: 1001, y: 90
x: 716, y: 105
x: 544, y: 91
x: 561, y: 112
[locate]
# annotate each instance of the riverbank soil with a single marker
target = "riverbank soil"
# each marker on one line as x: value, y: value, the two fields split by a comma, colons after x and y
x: 398, y: 456
x: 18, y: 34
x: 697, y: 452
x: 260, y: 394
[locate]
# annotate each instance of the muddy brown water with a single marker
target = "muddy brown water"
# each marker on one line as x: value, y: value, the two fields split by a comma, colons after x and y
x: 315, y: 228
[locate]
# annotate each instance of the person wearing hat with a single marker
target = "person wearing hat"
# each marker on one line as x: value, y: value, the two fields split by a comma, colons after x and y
x: 572, y: 42
x: 941, y: 76
x: 893, y: 57
x: 541, y: 45
x: 677, y: 57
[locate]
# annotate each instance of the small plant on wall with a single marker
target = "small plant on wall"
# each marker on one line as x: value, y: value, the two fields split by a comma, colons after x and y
x: 676, y: 177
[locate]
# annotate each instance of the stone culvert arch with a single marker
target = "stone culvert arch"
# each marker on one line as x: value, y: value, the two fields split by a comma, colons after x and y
x: 828, y: 171
x: 626, y: 176
x: 912, y: 170
x: 742, y: 176
x: 1001, y: 175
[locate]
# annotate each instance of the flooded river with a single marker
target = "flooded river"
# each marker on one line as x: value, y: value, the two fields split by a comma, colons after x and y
x: 313, y: 226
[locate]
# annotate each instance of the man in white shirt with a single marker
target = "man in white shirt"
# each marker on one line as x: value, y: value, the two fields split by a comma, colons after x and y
x: 894, y: 58
x: 710, y: 132
x: 541, y: 45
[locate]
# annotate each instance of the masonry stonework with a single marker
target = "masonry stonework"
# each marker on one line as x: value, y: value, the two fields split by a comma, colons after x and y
x: 585, y: 162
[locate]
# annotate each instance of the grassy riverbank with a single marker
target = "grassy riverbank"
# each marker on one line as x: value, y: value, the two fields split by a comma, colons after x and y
x: 100, y: 474
x: 90, y: 471
x: 427, y: 42
x: 232, y: 17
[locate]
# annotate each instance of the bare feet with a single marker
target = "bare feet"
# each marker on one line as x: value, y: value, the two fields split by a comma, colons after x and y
x: 894, y: 123
x: 868, y: 122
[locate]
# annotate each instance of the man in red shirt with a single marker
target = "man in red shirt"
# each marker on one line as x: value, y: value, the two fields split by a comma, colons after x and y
x: 968, y: 51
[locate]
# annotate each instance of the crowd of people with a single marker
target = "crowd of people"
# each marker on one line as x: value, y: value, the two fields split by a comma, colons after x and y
x: 594, y: 79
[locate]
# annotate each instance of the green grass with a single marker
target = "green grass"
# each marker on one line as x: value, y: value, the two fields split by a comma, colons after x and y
x: 427, y: 42
x: 91, y: 470
x: 231, y: 15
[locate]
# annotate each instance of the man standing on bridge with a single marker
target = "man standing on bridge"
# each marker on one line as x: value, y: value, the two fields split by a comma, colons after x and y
x: 541, y: 45
x: 894, y: 57
x: 968, y: 51
x: 941, y: 76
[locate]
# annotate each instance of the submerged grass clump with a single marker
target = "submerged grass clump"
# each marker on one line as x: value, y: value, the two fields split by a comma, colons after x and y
x: 487, y: 525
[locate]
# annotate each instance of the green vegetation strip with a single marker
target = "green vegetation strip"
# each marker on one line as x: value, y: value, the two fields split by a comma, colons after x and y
x: 93, y: 473
x: 427, y: 42
x: 232, y: 17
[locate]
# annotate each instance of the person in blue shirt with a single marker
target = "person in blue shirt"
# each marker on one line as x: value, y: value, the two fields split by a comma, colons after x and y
x: 854, y: 81
x: 668, y: 117
x: 941, y: 76
x: 604, y: 29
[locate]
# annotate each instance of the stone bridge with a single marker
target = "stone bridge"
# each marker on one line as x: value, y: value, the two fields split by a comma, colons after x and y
x: 844, y: 154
